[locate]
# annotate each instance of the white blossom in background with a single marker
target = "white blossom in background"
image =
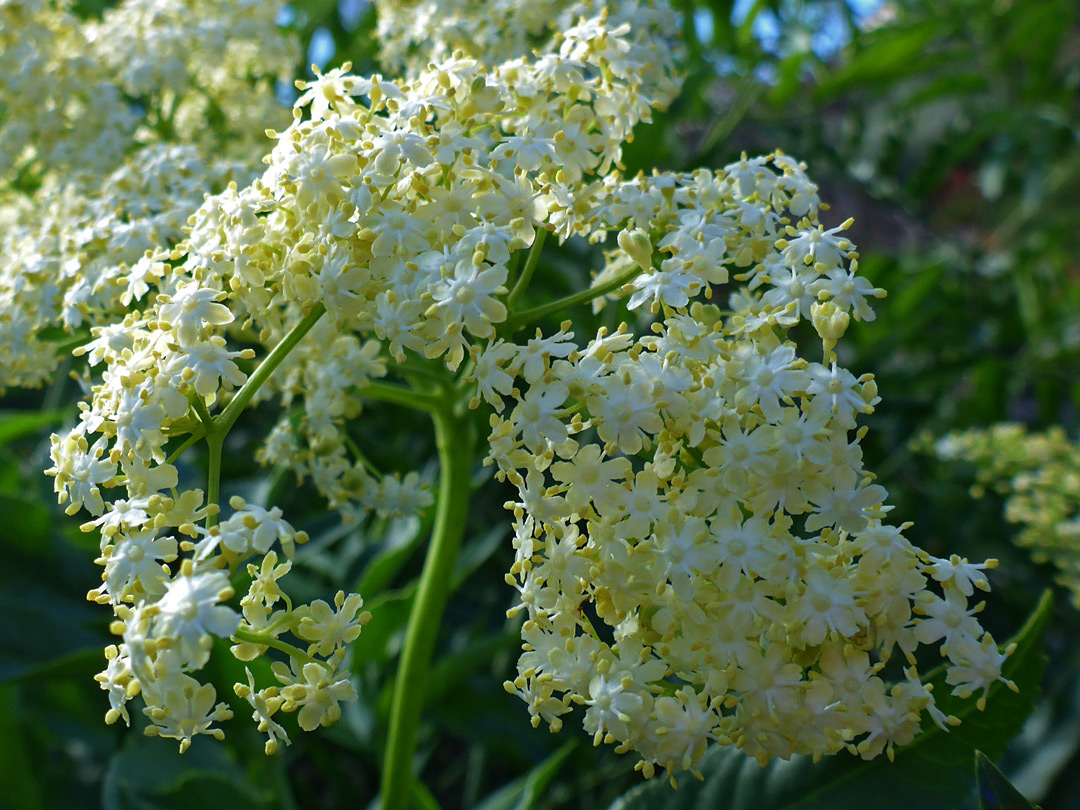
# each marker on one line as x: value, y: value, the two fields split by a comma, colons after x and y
x: 1038, y: 475
x: 106, y: 151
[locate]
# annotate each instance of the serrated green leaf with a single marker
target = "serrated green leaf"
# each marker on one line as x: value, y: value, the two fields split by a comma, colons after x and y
x: 935, y: 771
x: 995, y: 791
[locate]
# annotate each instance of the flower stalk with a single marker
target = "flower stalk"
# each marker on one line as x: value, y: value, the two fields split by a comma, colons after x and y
x: 455, y: 438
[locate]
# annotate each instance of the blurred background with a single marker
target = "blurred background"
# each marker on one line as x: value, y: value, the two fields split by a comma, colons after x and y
x: 949, y: 130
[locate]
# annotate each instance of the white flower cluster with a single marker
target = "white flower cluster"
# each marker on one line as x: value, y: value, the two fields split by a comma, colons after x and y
x: 210, y: 62
x: 77, y: 254
x: 58, y: 106
x: 105, y: 152
x: 160, y: 372
x: 397, y: 205
x: 700, y: 553
x: 1038, y: 475
x: 417, y: 33
x: 113, y: 132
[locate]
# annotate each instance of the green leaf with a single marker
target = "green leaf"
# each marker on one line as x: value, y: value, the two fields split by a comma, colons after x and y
x: 401, y: 539
x: 893, y: 53
x: 20, y: 785
x: 382, y: 637
x: 522, y: 793
x: 26, y: 523
x: 452, y: 669
x: 935, y: 771
x: 995, y: 791
x: 149, y: 773
x: 45, y: 633
x: 16, y: 424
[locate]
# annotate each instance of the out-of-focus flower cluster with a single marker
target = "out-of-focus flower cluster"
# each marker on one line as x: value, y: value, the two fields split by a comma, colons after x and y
x: 417, y: 33
x: 112, y: 132
x: 701, y: 555
x: 1038, y: 475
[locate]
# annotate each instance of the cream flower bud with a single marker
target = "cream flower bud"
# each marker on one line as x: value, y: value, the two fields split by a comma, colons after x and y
x: 830, y: 321
x: 637, y: 245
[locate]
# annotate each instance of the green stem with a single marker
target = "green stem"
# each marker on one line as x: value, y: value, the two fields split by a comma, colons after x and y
x: 530, y: 267
x: 400, y: 395
x: 277, y: 484
x: 69, y: 346
x: 354, y: 448
x: 456, y: 440
x: 746, y: 95
x: 194, y: 437
x: 199, y: 406
x: 689, y: 32
x: 423, y: 798
x: 227, y: 418
x: 521, y: 319
x: 269, y: 641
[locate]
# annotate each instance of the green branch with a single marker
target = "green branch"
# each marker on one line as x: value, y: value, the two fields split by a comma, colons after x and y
x: 530, y: 267
x: 194, y: 437
x: 400, y: 395
x: 227, y: 418
x: 521, y: 319
x: 265, y: 640
x: 214, y: 441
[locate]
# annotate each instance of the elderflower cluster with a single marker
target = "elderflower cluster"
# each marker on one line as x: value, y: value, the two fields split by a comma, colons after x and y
x: 398, y: 206
x: 168, y: 579
x: 112, y: 132
x: 394, y: 207
x: 416, y: 33
x: 77, y: 254
x: 700, y: 554
x: 1038, y: 475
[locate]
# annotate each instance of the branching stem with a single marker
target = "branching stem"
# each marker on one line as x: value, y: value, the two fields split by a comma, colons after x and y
x: 516, y: 322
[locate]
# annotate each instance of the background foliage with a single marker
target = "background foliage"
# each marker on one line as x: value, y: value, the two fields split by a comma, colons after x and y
x: 949, y: 129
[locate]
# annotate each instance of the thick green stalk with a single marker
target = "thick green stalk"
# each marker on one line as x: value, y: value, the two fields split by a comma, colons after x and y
x: 456, y: 441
